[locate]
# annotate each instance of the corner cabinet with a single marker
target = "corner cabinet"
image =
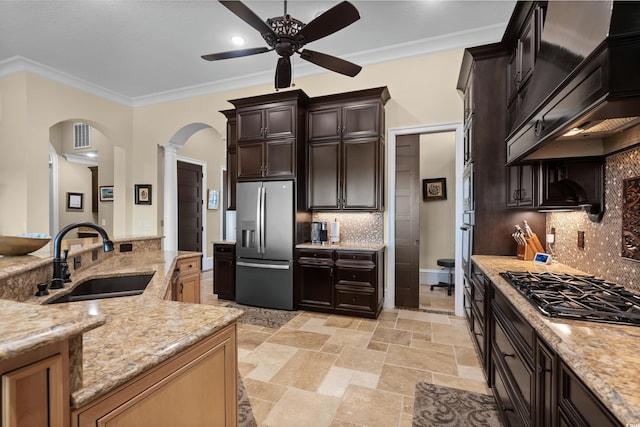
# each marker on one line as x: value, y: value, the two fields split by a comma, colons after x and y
x: 521, y: 187
x: 270, y: 135
x: 348, y: 282
x: 345, y: 151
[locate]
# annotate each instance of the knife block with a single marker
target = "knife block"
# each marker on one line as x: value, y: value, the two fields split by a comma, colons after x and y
x: 528, y: 252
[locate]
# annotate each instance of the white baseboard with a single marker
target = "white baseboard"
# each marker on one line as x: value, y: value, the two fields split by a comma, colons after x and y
x: 207, y: 263
x: 430, y: 276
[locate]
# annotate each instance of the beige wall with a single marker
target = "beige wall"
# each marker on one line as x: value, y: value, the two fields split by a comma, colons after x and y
x: 74, y: 178
x: 422, y: 92
x: 437, y: 217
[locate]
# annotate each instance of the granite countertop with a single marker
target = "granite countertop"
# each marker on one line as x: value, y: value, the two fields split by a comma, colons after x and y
x: 131, y: 335
x: 604, y: 356
x: 350, y: 246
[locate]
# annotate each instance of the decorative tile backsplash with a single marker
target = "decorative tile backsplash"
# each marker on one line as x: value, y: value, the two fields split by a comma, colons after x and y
x: 602, y: 251
x: 361, y: 227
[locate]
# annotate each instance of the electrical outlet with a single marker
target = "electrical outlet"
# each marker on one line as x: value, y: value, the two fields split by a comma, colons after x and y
x: 94, y: 255
x: 581, y: 239
x: 77, y: 262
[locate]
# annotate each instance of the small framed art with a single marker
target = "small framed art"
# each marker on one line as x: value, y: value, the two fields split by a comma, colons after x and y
x: 434, y: 189
x: 143, y: 194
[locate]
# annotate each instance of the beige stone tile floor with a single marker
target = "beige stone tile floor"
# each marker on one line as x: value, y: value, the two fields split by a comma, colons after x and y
x: 325, y: 370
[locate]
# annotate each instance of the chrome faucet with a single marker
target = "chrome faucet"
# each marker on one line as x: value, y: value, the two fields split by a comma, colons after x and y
x: 60, y: 268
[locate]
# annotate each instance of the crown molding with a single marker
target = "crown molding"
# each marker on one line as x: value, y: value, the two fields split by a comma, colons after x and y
x: 462, y: 39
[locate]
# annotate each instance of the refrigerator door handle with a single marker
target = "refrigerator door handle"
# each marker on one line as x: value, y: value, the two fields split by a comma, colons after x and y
x: 263, y: 226
x: 267, y: 266
x: 259, y: 221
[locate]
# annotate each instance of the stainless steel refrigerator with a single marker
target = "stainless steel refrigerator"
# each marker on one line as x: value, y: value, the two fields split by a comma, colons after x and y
x: 265, y: 230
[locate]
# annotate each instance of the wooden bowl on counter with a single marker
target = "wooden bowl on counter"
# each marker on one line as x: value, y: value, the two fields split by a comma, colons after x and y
x: 21, y: 245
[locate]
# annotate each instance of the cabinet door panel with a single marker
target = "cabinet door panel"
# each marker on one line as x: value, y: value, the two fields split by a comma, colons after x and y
x: 513, y: 186
x: 316, y: 284
x: 279, y: 158
x: 232, y: 177
x: 527, y: 180
x: 280, y: 122
x: 250, y: 160
x: 361, y: 121
x: 360, y: 172
x: 324, y: 124
x: 324, y: 181
x: 250, y: 125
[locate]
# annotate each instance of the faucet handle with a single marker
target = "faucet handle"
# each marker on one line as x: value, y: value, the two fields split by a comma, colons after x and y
x: 42, y: 289
x: 65, y: 254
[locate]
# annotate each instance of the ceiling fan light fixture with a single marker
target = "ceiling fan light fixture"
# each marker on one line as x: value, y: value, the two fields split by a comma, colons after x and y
x: 238, y: 40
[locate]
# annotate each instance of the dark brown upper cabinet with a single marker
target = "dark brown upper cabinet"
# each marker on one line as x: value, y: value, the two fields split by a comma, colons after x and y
x: 521, y: 186
x: 232, y: 172
x: 345, y: 151
x: 270, y: 136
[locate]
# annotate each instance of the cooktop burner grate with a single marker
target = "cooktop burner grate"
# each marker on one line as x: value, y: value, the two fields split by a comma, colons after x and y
x: 577, y: 297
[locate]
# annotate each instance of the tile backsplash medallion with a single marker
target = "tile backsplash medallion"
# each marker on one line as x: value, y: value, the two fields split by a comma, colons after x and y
x: 601, y: 255
x: 361, y: 227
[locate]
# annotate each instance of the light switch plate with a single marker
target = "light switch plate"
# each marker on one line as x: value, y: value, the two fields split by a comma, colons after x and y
x: 581, y: 239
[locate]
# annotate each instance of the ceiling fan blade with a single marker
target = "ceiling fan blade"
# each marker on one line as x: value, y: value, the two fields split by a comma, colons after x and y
x: 334, y: 19
x: 235, y: 53
x: 331, y: 62
x: 283, y: 73
x: 248, y: 16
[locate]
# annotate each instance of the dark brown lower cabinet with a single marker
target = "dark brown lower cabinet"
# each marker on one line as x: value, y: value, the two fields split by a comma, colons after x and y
x: 532, y: 385
x: 314, y: 276
x: 224, y: 270
x: 340, y: 281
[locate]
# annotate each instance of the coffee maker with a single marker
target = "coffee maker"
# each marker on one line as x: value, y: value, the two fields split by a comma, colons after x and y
x: 319, y: 232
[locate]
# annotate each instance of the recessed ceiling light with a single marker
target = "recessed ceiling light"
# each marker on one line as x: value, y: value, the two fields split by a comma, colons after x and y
x: 238, y: 40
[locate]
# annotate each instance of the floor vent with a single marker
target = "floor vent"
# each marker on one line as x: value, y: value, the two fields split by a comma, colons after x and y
x: 81, y: 135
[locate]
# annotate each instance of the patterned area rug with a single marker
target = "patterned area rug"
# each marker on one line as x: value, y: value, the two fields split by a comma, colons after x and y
x: 245, y: 413
x: 265, y: 317
x: 442, y: 406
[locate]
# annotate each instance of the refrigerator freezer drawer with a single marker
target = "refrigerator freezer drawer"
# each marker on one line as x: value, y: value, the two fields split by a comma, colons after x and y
x: 266, y: 284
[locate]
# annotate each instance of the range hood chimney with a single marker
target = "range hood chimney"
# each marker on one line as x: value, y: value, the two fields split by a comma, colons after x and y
x: 585, y: 74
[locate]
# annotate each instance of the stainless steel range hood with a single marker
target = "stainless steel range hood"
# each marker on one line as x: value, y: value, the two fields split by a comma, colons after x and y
x: 586, y: 73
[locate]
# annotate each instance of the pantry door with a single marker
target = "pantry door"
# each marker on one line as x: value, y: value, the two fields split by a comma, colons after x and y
x: 189, y: 207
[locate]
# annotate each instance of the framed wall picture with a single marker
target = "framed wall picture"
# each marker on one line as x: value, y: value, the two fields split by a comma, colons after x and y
x: 106, y: 193
x: 143, y: 194
x: 74, y: 201
x: 631, y: 218
x: 212, y: 199
x: 434, y: 189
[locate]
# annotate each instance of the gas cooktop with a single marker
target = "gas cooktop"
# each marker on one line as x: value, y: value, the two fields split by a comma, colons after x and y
x: 577, y: 297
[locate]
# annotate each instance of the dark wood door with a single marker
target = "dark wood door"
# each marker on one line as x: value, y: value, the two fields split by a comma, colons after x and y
x: 360, y: 174
x: 407, y: 241
x: 189, y: 207
x: 324, y: 175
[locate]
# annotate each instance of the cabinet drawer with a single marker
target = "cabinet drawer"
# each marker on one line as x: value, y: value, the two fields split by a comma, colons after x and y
x: 188, y: 265
x: 355, y: 256
x: 312, y: 253
x: 514, y: 365
x: 224, y: 250
x: 479, y: 300
x: 502, y: 392
x: 355, y: 276
x: 524, y: 334
x: 354, y: 300
x: 580, y: 405
x: 477, y: 331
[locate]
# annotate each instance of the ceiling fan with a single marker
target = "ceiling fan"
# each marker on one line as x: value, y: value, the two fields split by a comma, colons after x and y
x: 286, y: 35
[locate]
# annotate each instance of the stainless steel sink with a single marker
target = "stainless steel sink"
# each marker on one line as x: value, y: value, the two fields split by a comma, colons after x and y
x: 106, y: 287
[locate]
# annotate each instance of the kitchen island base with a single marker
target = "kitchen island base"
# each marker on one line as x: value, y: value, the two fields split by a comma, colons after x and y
x: 197, y: 387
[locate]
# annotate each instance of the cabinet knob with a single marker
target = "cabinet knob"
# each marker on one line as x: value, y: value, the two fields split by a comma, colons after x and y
x: 505, y: 355
x: 190, y: 266
x: 354, y: 276
x: 353, y: 299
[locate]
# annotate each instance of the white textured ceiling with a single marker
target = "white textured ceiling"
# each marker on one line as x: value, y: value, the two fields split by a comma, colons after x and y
x: 136, y: 49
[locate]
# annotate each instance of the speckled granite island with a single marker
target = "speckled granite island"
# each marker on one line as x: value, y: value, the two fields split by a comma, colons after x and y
x: 120, y: 347
x: 605, y: 357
